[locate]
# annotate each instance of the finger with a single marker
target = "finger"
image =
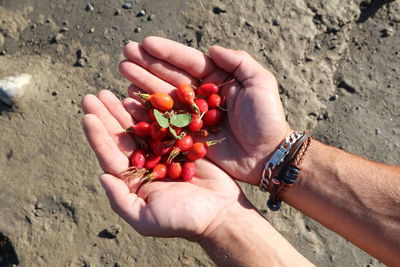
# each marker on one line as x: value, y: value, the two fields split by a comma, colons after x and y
x: 143, y: 78
x: 92, y: 105
x: 111, y: 159
x: 244, y: 68
x: 160, y: 68
x: 128, y: 205
x: 191, y: 60
x: 116, y: 109
x: 136, y: 109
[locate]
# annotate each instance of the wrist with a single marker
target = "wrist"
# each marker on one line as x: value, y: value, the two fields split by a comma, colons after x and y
x: 236, y: 214
x: 243, y: 237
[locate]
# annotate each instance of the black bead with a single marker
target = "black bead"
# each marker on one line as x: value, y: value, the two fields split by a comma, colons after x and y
x: 287, y: 180
x: 274, y: 205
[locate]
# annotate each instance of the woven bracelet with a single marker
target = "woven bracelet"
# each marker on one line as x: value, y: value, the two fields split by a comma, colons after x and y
x: 290, y: 170
x: 277, y: 158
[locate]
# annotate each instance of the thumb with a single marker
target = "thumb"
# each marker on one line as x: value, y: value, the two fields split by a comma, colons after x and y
x: 239, y: 63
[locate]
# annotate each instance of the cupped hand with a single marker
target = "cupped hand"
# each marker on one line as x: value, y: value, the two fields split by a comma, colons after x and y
x: 255, y: 124
x: 166, y: 208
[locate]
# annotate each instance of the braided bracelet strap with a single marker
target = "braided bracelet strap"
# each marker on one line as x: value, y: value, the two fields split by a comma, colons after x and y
x: 289, y: 171
x: 277, y: 158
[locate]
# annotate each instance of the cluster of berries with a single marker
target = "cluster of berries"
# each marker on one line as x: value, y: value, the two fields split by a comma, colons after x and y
x: 167, y: 146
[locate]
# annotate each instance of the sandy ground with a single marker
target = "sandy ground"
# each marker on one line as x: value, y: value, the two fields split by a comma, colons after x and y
x: 337, y: 63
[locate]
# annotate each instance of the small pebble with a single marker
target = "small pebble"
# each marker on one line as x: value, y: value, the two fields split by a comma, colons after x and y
x: 39, y: 205
x: 151, y: 17
x: 127, y: 5
x: 138, y: 29
x: 11, y: 88
x: 54, y: 93
x: 387, y: 32
x: 89, y: 7
x: 91, y: 30
x: 117, y: 12
x: 141, y: 13
x: 334, y: 97
x: 81, y: 62
x: 217, y: 10
x: 3, y: 52
x: 377, y: 131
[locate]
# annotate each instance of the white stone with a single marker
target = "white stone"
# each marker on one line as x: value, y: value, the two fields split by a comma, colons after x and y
x: 11, y: 88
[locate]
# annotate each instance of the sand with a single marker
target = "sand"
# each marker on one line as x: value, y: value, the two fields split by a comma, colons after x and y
x: 337, y: 63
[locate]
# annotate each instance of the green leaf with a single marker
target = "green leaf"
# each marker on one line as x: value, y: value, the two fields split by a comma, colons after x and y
x: 162, y: 121
x: 181, y: 120
x: 172, y: 130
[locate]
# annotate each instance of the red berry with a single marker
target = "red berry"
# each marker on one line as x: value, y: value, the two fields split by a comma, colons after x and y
x: 138, y: 159
x: 213, y: 117
x: 151, y: 162
x: 207, y: 89
x: 175, y: 170
x: 162, y: 148
x: 141, y: 129
x: 160, y: 101
x: 185, y: 143
x: 188, y: 170
x: 152, y: 143
x: 214, y: 101
x: 186, y: 95
x: 198, y: 151
x: 196, y: 123
x: 157, y: 132
x: 159, y: 171
x: 151, y: 114
x: 202, y: 105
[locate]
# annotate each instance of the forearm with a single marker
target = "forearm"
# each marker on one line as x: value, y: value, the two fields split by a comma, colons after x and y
x: 247, y: 239
x: 357, y: 198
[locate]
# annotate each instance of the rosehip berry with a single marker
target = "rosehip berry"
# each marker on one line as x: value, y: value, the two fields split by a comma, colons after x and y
x: 214, y: 101
x: 159, y: 172
x: 141, y: 129
x: 138, y: 159
x: 195, y: 124
x: 183, y: 145
x: 151, y: 114
x: 202, y: 105
x: 198, y: 151
x: 213, y: 117
x: 188, y: 170
x: 207, y: 89
x: 160, y: 101
x: 186, y: 95
x: 175, y: 170
x: 157, y: 132
x: 151, y: 162
x: 162, y: 148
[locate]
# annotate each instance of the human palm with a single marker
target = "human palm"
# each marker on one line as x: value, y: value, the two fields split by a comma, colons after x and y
x: 255, y: 124
x: 162, y: 208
